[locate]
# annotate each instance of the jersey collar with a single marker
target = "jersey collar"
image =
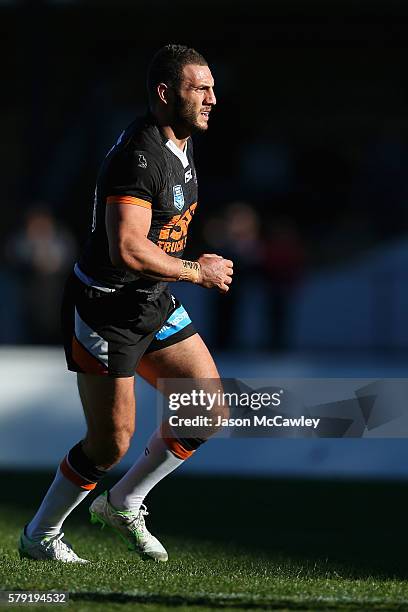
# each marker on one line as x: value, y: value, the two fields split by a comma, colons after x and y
x: 182, y: 155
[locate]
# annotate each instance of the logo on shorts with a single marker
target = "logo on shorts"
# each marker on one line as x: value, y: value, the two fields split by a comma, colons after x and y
x: 178, y: 197
x: 177, y: 321
x: 142, y: 161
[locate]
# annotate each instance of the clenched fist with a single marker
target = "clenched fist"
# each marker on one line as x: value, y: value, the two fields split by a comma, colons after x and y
x: 215, y: 271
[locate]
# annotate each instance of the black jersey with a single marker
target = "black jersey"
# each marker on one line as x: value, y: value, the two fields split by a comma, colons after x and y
x: 146, y: 169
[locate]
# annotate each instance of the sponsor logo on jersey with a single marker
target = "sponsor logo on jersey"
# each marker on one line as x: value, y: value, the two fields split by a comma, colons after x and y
x: 173, y: 235
x: 142, y: 161
x: 178, y: 197
x: 188, y: 176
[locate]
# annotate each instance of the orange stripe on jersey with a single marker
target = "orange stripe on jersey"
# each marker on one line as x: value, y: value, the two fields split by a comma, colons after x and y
x: 87, y: 363
x: 128, y: 200
x: 173, y: 444
x: 76, y: 478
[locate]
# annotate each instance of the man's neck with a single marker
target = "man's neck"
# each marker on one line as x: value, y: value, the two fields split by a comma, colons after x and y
x: 171, y: 132
x: 179, y: 141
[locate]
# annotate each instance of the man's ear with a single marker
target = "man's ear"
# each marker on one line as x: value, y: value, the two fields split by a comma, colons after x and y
x: 163, y: 93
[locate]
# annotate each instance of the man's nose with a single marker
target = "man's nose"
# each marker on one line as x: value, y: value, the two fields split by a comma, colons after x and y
x: 210, y: 98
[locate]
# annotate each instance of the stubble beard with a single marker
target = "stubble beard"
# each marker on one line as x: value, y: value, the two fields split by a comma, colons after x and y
x: 185, y: 116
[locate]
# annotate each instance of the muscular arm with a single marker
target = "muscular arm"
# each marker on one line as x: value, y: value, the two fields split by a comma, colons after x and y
x: 127, y: 228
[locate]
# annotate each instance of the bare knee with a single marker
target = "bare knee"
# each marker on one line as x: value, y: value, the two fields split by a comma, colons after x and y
x: 221, y: 411
x: 118, y: 445
x: 107, y: 448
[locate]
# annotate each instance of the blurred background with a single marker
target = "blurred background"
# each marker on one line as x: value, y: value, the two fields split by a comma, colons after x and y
x: 302, y: 180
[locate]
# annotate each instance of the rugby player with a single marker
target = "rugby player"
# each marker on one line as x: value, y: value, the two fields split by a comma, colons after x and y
x: 119, y: 316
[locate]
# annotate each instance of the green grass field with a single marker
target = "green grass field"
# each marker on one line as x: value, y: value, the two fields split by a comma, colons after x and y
x: 234, y: 544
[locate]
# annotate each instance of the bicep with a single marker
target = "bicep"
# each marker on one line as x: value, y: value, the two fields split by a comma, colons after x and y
x: 134, y: 180
x: 126, y: 224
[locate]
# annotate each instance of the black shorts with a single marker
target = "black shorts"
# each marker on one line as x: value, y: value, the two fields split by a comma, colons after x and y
x: 108, y: 333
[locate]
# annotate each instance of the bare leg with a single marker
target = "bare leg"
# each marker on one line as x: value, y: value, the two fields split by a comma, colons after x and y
x: 109, y: 407
x: 187, y: 359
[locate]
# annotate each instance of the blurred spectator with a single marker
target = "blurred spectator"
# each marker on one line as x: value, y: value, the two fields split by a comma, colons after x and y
x: 40, y: 255
x: 283, y: 264
x: 235, y: 236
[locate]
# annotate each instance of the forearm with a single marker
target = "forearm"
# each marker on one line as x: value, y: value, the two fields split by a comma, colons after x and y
x: 150, y: 261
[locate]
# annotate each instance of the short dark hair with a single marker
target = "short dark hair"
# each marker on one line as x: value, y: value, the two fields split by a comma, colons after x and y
x: 167, y: 66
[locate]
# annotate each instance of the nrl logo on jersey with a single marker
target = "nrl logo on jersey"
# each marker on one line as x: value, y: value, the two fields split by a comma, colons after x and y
x: 178, y: 197
x: 142, y: 161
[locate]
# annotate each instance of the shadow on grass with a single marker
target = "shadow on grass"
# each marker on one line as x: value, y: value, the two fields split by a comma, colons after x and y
x: 358, y: 529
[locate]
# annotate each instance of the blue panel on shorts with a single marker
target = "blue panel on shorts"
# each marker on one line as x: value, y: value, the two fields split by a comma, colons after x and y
x: 176, y: 322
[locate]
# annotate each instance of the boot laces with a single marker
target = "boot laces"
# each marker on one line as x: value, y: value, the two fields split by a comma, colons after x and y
x: 136, y: 521
x: 60, y: 548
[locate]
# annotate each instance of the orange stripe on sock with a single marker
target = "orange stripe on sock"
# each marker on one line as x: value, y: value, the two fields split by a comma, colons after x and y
x: 87, y: 363
x: 173, y: 444
x: 76, y: 478
x: 128, y: 200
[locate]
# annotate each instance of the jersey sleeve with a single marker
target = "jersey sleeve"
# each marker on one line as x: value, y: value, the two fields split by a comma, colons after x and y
x: 133, y: 178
